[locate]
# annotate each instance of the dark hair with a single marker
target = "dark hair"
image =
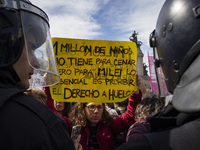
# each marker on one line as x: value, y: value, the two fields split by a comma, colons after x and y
x: 67, y: 109
x: 78, y: 116
x: 123, y: 103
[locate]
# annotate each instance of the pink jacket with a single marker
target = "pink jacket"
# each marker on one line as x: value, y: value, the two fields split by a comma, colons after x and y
x: 105, y: 133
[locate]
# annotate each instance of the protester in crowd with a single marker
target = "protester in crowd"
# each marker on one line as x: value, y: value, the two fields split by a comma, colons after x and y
x: 98, y: 127
x: 147, y: 107
x: 111, y: 110
x: 118, y: 108
x: 63, y: 108
x: 37, y: 94
x: 50, y: 104
x: 25, y: 122
x: 110, y: 105
x: 176, y: 46
x: 41, y: 96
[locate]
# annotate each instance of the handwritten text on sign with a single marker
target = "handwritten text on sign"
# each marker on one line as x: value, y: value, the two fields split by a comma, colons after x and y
x: 94, y: 70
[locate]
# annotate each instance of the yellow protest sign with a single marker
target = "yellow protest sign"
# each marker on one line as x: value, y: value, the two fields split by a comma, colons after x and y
x: 94, y: 70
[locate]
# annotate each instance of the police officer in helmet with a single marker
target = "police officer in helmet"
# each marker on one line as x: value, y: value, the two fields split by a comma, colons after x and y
x: 176, y: 46
x: 27, y: 59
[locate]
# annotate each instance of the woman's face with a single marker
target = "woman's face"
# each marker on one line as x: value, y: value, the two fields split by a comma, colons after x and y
x: 59, y: 106
x: 94, y: 112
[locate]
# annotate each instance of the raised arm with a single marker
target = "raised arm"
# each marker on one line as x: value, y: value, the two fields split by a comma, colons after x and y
x: 124, y: 121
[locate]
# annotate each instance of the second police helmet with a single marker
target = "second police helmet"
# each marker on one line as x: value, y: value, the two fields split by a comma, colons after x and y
x: 176, y: 39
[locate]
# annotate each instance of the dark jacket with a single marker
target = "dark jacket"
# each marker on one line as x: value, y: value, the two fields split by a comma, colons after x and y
x: 137, y: 129
x: 179, y: 132
x: 50, y: 104
x: 27, y: 124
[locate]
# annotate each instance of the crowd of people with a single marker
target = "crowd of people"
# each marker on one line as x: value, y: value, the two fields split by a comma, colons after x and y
x: 100, y: 129
x: 32, y: 120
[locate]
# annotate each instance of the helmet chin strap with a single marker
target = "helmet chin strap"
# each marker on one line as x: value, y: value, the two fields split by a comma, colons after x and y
x: 152, y: 42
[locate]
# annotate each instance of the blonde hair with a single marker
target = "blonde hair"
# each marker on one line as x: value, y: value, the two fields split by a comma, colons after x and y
x: 147, y: 106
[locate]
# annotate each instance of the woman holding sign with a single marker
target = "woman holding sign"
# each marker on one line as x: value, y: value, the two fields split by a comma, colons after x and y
x: 98, y: 128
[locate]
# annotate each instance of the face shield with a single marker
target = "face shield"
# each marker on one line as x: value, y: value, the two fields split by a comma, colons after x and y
x: 38, y: 45
x: 39, y: 50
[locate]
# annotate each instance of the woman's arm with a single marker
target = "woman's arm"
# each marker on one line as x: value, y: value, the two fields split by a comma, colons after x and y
x: 124, y: 121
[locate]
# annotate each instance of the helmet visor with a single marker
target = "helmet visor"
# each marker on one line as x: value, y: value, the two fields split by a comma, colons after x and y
x: 39, y: 50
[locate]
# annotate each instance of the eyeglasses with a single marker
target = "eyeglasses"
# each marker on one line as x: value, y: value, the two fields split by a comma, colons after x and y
x: 93, y: 107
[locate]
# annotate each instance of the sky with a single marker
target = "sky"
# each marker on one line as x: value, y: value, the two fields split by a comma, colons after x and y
x: 114, y: 20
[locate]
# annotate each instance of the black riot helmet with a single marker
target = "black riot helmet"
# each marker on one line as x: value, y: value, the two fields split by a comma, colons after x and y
x: 23, y: 25
x: 176, y: 39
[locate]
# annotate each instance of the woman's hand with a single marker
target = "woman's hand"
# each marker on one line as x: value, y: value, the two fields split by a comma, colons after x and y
x: 77, y: 145
x: 140, y: 85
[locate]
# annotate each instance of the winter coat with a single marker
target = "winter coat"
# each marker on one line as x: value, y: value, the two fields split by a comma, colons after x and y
x: 137, y: 129
x: 27, y: 124
x: 177, y: 131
